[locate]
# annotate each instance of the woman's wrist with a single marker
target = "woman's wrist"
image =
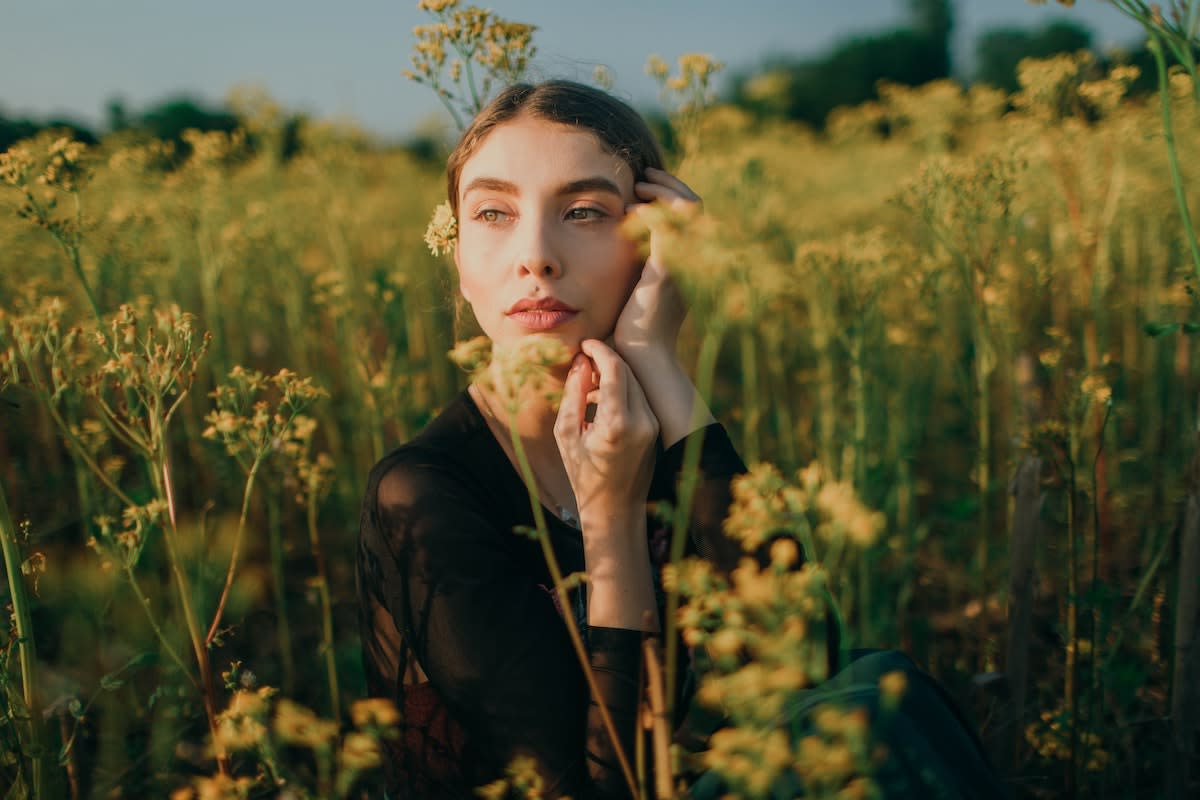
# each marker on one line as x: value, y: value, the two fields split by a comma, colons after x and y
x: 673, y: 397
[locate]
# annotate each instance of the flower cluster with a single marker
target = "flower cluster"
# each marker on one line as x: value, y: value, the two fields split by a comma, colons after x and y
x: 296, y: 725
x: 687, y: 93
x: 1050, y: 736
x: 257, y: 723
x: 762, y: 633
x: 43, y: 169
x: 124, y: 544
x: 39, y: 348
x: 216, y: 787
x: 521, y: 781
x: 442, y: 233
x: 690, y: 87
x: 49, y: 163
x: 463, y: 39
x: 251, y: 427
x: 243, y: 724
x: 766, y: 505
x: 511, y: 369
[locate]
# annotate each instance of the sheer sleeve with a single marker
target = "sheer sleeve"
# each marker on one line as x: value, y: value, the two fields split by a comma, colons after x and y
x: 719, y: 463
x: 466, y: 597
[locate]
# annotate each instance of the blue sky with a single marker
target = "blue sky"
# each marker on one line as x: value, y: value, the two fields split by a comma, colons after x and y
x: 326, y: 58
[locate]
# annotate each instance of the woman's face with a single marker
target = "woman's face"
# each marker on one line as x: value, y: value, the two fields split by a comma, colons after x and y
x: 540, y: 248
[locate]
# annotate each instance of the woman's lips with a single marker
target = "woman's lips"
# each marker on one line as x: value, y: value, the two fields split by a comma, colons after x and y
x: 542, y: 319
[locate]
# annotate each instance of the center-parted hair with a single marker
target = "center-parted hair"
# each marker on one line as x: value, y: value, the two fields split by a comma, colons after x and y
x: 620, y: 130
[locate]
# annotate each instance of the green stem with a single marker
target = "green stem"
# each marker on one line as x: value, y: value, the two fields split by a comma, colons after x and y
x: 144, y: 602
x: 76, y: 262
x: 1164, y: 96
x: 689, y: 477
x: 858, y: 391
x: 476, y: 101
x: 784, y: 426
x: 282, y: 628
x: 326, y: 607
x: 564, y: 600
x: 458, y: 123
x: 750, y: 400
x: 162, y: 486
x: 70, y: 249
x: 27, y: 653
x: 247, y: 491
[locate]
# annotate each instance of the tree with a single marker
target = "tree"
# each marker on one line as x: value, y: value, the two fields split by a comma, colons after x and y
x: 169, y: 119
x: 807, y: 90
x: 999, y: 51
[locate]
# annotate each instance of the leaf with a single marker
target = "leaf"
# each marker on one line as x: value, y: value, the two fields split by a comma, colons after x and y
x: 1160, y: 328
x: 1191, y: 327
x: 111, y: 682
x: 526, y: 530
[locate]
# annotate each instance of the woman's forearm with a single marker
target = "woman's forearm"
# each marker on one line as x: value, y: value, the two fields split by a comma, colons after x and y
x: 620, y: 584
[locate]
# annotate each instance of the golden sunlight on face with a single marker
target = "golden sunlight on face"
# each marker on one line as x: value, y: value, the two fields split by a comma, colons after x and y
x: 540, y: 248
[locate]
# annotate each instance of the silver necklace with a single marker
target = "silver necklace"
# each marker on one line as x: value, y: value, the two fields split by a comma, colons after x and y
x: 563, y: 512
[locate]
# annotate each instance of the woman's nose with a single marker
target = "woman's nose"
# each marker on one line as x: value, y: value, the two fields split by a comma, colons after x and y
x: 537, y: 253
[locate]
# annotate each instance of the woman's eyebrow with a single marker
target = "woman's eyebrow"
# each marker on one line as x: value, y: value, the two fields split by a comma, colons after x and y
x: 492, y: 185
x: 594, y: 184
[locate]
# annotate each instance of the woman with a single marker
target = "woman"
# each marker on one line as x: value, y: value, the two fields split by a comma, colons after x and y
x: 460, y: 623
x: 459, y: 619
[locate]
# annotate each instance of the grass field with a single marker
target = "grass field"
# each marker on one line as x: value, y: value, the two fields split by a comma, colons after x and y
x: 922, y: 314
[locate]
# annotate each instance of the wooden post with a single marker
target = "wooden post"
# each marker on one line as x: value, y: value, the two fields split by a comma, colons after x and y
x: 1026, y: 490
x: 1183, y: 775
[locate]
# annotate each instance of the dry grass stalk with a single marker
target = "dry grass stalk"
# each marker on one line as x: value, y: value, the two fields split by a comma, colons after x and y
x: 661, y: 730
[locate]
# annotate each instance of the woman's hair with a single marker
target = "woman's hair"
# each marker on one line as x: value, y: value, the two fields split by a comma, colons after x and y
x: 620, y: 129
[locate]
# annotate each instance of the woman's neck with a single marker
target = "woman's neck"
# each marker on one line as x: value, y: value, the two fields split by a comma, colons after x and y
x: 529, y: 413
x: 531, y: 416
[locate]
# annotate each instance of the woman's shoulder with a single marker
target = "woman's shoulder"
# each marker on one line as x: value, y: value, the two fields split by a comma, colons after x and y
x: 453, y: 452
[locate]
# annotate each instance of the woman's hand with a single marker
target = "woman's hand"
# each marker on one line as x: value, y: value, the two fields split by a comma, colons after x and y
x: 609, y: 459
x: 649, y: 324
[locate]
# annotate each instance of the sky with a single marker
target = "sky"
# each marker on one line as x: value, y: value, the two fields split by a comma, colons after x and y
x: 70, y: 57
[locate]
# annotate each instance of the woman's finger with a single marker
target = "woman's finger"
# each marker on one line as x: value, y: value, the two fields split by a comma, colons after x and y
x: 665, y: 194
x: 569, y: 423
x: 666, y: 179
x: 612, y: 405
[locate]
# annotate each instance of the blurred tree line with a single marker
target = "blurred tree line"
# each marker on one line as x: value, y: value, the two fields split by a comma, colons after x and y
x: 800, y: 89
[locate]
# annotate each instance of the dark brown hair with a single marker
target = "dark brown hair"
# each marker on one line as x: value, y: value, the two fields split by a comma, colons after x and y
x: 620, y: 129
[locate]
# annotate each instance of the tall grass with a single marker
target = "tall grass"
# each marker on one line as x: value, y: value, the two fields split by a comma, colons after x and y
x: 918, y: 312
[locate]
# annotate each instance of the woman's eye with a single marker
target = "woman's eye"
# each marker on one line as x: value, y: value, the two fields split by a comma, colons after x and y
x: 584, y: 213
x: 490, y: 215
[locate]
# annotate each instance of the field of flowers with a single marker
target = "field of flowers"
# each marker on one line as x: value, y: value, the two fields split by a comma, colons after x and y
x: 956, y: 332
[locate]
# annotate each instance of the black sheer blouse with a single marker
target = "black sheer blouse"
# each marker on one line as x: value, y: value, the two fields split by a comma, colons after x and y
x: 461, y: 626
